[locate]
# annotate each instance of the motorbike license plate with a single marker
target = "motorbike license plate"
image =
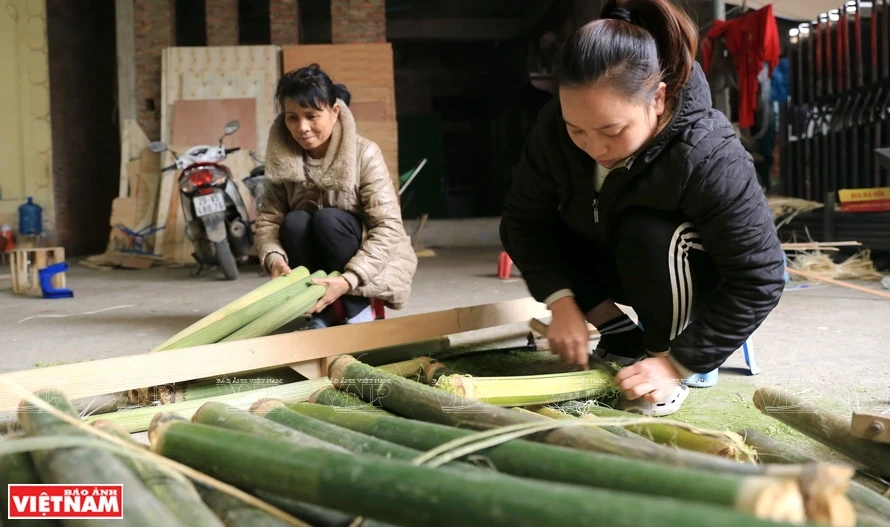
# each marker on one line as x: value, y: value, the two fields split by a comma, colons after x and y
x: 209, y: 204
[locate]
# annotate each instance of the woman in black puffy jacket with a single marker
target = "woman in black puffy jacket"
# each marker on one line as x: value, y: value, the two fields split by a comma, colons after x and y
x: 633, y: 190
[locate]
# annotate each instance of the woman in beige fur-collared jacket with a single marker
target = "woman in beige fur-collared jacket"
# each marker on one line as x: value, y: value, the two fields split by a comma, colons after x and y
x: 330, y: 203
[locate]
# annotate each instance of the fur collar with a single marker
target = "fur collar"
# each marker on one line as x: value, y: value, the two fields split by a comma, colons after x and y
x: 284, y: 156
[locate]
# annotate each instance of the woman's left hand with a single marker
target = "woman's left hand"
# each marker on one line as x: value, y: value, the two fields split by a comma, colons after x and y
x: 653, y: 379
x: 336, y: 287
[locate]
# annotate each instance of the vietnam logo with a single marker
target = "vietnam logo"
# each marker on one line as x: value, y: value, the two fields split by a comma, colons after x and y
x: 53, y: 501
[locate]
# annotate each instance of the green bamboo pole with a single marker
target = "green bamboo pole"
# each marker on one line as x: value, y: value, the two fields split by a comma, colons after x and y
x: 175, y: 491
x: 236, y: 513
x: 828, y: 428
x: 366, y: 486
x: 334, y: 397
x: 225, y: 416
x: 418, y: 401
x: 239, y: 312
x: 770, y: 450
x: 89, y: 466
x: 566, y: 465
x: 18, y: 469
x: 316, y: 515
x: 277, y: 412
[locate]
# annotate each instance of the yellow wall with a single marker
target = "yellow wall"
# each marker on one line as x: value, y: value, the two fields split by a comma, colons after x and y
x: 25, y: 133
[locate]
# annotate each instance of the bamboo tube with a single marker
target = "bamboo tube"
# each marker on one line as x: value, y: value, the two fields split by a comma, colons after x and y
x: 283, y: 312
x: 724, y: 444
x: 826, y: 427
x: 225, y: 416
x: 18, y: 469
x: 418, y: 401
x: 593, y: 469
x: 529, y: 389
x: 864, y: 499
x: 277, y: 412
x: 364, y: 486
x: 239, y: 312
x: 175, y: 491
x: 89, y: 466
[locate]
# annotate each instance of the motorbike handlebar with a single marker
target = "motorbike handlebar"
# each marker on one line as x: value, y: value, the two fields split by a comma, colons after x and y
x: 171, y: 167
x: 230, y: 150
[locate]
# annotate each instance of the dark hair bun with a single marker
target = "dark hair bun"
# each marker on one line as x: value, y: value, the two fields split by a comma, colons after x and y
x: 310, y: 87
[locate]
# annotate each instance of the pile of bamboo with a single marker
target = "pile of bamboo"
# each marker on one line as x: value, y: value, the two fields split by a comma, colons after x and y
x: 256, y: 314
x: 404, y: 445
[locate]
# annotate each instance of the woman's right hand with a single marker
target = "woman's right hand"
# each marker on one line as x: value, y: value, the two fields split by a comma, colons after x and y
x: 568, y: 334
x: 277, y: 266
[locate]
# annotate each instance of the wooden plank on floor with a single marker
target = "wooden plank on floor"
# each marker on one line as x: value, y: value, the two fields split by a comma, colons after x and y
x: 99, y: 377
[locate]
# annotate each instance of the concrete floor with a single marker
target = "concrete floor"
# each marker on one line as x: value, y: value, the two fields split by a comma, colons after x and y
x: 830, y: 343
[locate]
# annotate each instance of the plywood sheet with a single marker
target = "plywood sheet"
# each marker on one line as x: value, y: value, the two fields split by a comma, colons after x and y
x: 386, y: 135
x: 204, y: 121
x: 355, y: 65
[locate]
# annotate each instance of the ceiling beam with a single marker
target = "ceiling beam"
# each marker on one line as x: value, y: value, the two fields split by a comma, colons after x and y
x: 453, y: 29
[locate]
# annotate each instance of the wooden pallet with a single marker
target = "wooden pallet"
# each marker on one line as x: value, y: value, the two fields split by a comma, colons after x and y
x: 24, y: 266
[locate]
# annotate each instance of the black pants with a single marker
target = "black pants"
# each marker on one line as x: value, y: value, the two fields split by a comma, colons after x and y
x: 656, y: 265
x: 324, y: 240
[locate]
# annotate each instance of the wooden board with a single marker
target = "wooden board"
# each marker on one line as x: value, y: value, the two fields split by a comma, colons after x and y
x: 215, y: 72
x: 203, y: 122
x: 872, y: 426
x: 386, y: 135
x: 99, y: 377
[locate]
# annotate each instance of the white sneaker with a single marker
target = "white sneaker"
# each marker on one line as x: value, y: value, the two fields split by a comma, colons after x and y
x: 669, y: 405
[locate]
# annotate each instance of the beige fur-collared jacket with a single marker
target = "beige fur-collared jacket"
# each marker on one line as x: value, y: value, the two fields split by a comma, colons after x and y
x: 354, y: 179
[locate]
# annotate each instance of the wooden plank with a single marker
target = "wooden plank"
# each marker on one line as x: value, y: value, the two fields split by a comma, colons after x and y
x: 87, y: 379
x: 839, y: 283
x: 871, y: 426
x: 355, y: 65
x: 203, y: 121
x: 386, y: 135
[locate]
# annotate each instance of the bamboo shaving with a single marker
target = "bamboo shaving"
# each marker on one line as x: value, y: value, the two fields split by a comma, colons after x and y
x: 137, y: 452
x: 786, y: 209
x: 858, y: 267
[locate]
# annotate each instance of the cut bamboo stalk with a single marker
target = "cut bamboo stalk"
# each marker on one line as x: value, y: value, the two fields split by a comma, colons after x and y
x: 225, y: 416
x: 239, y: 312
x: 527, y: 390
x: 173, y: 489
x: 278, y: 412
x: 724, y: 444
x: 284, y: 312
x: 828, y: 428
x: 560, y: 464
x: 88, y: 466
x: 483, y: 498
x: 770, y: 450
x: 553, y: 413
x: 418, y: 401
x: 238, y: 383
x: 18, y: 469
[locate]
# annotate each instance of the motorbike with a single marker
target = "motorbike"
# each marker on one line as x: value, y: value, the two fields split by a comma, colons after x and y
x: 217, y: 221
x: 256, y: 181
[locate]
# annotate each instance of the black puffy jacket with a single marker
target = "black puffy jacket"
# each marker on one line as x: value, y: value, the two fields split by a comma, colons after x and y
x: 696, y: 165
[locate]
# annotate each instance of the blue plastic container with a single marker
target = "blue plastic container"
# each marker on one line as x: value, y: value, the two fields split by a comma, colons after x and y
x: 30, y: 218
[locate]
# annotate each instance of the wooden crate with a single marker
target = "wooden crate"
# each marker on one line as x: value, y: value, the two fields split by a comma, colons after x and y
x: 25, y: 263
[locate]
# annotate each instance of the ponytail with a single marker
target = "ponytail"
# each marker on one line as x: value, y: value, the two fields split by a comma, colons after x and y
x: 634, y: 46
x: 342, y: 93
x: 311, y: 87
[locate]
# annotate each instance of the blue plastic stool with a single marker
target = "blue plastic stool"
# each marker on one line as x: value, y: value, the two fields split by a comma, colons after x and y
x: 46, y: 281
x: 706, y: 380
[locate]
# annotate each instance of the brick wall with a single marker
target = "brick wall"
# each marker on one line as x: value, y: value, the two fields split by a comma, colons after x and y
x: 85, y: 143
x: 154, y: 24
x: 354, y: 21
x: 284, y: 22
x: 222, y: 22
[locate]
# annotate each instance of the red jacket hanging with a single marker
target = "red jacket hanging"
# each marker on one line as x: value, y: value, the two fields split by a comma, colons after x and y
x: 752, y: 39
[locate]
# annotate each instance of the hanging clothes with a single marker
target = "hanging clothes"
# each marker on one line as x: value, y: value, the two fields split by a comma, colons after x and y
x: 752, y: 39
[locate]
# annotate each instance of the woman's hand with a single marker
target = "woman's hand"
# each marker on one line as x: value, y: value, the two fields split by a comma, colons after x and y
x: 278, y: 266
x: 336, y: 287
x: 653, y: 379
x: 568, y: 334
